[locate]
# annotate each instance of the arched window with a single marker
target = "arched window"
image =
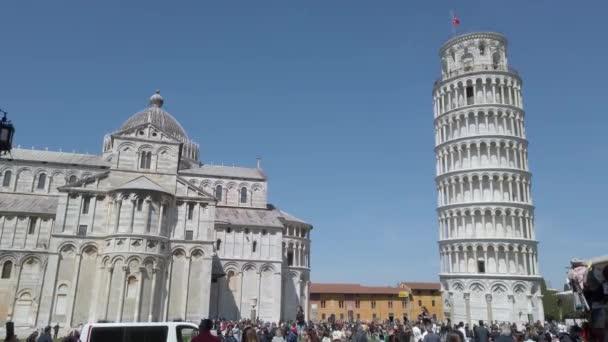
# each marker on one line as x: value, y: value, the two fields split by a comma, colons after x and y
x: 42, y: 181
x: 218, y: 244
x: 62, y: 298
x: 6, y: 181
x: 218, y: 192
x: 72, y: 179
x: 254, y: 246
x: 145, y: 160
x: 482, y: 48
x: 7, y: 268
x: 243, y: 195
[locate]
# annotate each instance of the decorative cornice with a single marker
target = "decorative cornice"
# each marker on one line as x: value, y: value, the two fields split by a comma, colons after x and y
x: 470, y: 36
x: 473, y: 107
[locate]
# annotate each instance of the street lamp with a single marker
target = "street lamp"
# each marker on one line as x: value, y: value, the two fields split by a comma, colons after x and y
x: 7, y: 130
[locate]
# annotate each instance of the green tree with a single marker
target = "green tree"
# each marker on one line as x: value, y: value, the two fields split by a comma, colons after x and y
x: 550, y: 302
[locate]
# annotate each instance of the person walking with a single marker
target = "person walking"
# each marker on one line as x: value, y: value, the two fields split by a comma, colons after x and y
x: 360, y: 335
x: 417, y: 332
x: 431, y: 335
x: 205, y: 332
x: 481, y: 333
x: 55, y: 331
x: 505, y: 334
x: 32, y: 338
x: 46, y: 336
x: 460, y: 330
x: 230, y: 336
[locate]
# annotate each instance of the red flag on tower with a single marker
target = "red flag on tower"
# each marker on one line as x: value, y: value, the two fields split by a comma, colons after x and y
x: 455, y: 20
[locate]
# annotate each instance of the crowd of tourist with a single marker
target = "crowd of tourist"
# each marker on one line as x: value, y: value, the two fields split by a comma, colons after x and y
x: 422, y: 330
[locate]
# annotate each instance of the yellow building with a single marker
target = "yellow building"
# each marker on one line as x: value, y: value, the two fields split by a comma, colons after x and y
x: 425, y: 298
x: 354, y: 302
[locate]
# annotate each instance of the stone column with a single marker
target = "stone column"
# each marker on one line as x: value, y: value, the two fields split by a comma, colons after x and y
x: 507, y: 260
x: 153, y: 294
x: 109, y: 270
x: 140, y: 286
x: 485, y: 259
x: 74, y: 288
x: 160, y: 218
x: 467, y: 302
x: 450, y: 262
x: 168, y: 290
x: 475, y: 259
x: 121, y: 298
x: 117, y: 217
x: 147, y: 217
x: 187, y: 287
x: 133, y: 203
x: 489, y: 307
x: 502, y: 188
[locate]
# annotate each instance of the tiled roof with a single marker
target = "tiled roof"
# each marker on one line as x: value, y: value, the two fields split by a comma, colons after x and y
x: 225, y: 171
x: 353, y: 289
x: 22, y: 203
x: 57, y: 157
x: 248, y: 217
x: 290, y: 217
x: 422, y: 286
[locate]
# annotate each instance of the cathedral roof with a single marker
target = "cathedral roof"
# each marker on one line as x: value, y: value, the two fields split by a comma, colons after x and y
x: 58, y: 157
x: 288, y: 217
x: 158, y: 117
x: 270, y: 217
x: 247, y: 217
x: 141, y: 183
x: 21, y: 203
x: 226, y: 171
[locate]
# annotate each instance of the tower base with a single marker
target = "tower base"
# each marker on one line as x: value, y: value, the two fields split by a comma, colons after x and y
x: 495, y: 298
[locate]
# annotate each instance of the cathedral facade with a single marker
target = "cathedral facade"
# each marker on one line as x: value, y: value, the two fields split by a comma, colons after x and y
x: 144, y: 232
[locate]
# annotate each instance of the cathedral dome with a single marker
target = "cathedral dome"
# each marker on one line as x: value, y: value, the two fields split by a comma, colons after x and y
x: 157, y: 116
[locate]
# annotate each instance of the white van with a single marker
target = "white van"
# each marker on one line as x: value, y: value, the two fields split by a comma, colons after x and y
x: 136, y: 332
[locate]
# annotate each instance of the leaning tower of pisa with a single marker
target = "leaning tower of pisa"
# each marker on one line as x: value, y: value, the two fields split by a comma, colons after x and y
x: 489, y: 262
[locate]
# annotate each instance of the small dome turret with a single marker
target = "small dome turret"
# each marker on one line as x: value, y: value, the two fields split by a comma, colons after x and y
x: 160, y: 118
x: 156, y: 100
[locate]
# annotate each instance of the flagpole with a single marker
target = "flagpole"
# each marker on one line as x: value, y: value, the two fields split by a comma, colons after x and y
x: 452, y: 23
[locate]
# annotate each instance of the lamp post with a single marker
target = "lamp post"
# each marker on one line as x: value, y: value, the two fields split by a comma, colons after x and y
x: 7, y: 130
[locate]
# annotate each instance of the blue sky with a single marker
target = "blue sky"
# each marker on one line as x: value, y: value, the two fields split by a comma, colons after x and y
x: 335, y: 95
